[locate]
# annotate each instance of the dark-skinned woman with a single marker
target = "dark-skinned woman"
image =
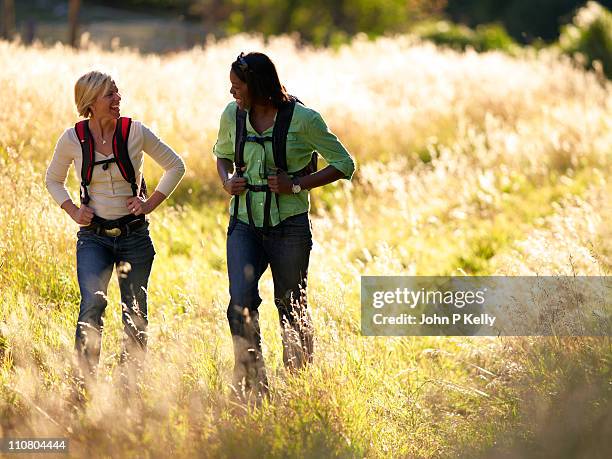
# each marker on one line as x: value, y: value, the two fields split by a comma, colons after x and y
x: 264, y: 156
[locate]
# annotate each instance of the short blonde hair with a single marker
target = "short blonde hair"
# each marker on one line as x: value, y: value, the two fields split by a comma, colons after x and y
x: 88, y: 88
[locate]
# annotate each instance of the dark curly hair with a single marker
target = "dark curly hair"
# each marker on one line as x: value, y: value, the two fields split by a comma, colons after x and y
x: 259, y: 74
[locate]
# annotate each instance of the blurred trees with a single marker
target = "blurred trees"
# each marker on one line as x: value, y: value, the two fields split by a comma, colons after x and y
x: 589, y: 37
x: 7, y: 20
x: 321, y: 22
x: 479, y: 24
x: 73, y: 21
x: 317, y: 21
x: 484, y: 37
x: 330, y: 21
x: 525, y: 20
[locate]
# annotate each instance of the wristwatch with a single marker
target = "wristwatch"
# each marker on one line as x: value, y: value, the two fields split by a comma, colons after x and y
x: 296, y: 188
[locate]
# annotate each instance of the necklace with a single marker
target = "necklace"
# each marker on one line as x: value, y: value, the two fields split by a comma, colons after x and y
x: 97, y: 137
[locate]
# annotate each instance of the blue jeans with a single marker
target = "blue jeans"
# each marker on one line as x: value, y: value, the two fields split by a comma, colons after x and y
x: 132, y: 256
x: 286, y: 249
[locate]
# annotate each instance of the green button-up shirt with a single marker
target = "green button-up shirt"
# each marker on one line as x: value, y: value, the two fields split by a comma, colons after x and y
x: 307, y: 133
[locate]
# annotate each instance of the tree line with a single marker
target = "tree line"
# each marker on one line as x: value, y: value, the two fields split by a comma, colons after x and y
x: 324, y: 21
x: 331, y: 22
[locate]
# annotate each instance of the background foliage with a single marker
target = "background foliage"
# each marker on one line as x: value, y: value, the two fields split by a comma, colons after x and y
x: 475, y: 163
x: 525, y: 20
x: 590, y: 37
x: 468, y: 163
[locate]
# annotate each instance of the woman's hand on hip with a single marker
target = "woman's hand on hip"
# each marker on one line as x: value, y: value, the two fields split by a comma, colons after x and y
x: 235, y: 185
x: 280, y: 183
x: 138, y: 206
x: 82, y: 215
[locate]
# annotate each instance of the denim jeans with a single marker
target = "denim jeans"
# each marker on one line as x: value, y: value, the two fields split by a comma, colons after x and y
x: 286, y: 249
x: 132, y: 256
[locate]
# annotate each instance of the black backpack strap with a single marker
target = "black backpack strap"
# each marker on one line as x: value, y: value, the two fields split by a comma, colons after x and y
x: 241, y: 135
x: 87, y: 151
x: 144, y: 193
x: 279, y: 150
x: 267, y: 209
x: 105, y: 162
x: 120, y: 150
x: 279, y: 145
x: 120, y: 154
x: 279, y: 133
x: 122, y: 133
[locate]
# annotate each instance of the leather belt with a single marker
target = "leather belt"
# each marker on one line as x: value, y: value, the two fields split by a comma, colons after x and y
x: 115, y: 228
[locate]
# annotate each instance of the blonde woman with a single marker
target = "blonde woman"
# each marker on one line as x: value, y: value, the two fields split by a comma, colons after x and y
x: 107, y: 153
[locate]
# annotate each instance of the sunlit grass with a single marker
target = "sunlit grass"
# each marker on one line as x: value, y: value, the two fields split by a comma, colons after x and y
x: 468, y: 163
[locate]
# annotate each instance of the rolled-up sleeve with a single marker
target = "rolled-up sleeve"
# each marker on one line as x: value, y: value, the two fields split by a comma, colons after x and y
x: 55, y: 177
x: 329, y: 147
x: 167, y: 158
x: 224, y: 147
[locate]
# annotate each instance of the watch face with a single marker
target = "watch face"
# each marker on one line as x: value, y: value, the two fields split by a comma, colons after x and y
x: 296, y: 189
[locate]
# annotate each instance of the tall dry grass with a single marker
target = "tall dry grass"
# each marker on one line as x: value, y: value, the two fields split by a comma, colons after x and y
x: 468, y: 163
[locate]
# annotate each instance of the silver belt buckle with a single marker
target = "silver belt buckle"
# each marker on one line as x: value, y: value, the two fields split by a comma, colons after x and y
x: 113, y: 232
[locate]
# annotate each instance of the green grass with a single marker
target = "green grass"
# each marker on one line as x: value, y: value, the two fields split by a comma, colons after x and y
x: 460, y: 204
x: 374, y: 397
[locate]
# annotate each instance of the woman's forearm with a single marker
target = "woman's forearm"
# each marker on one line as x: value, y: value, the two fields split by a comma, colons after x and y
x: 323, y: 177
x: 224, y: 168
x: 69, y: 207
x: 155, y: 200
x: 167, y: 158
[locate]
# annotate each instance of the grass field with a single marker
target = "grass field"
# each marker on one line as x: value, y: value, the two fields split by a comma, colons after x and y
x: 467, y: 164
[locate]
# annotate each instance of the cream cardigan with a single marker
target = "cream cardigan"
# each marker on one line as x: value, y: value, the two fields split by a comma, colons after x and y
x: 108, y: 189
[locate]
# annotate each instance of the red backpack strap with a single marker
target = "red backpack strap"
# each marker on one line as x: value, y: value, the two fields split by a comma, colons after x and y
x: 126, y: 124
x: 87, y: 151
x: 120, y: 151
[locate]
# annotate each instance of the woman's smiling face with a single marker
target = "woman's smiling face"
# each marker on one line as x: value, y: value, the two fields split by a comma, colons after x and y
x: 107, y: 103
x: 240, y: 91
